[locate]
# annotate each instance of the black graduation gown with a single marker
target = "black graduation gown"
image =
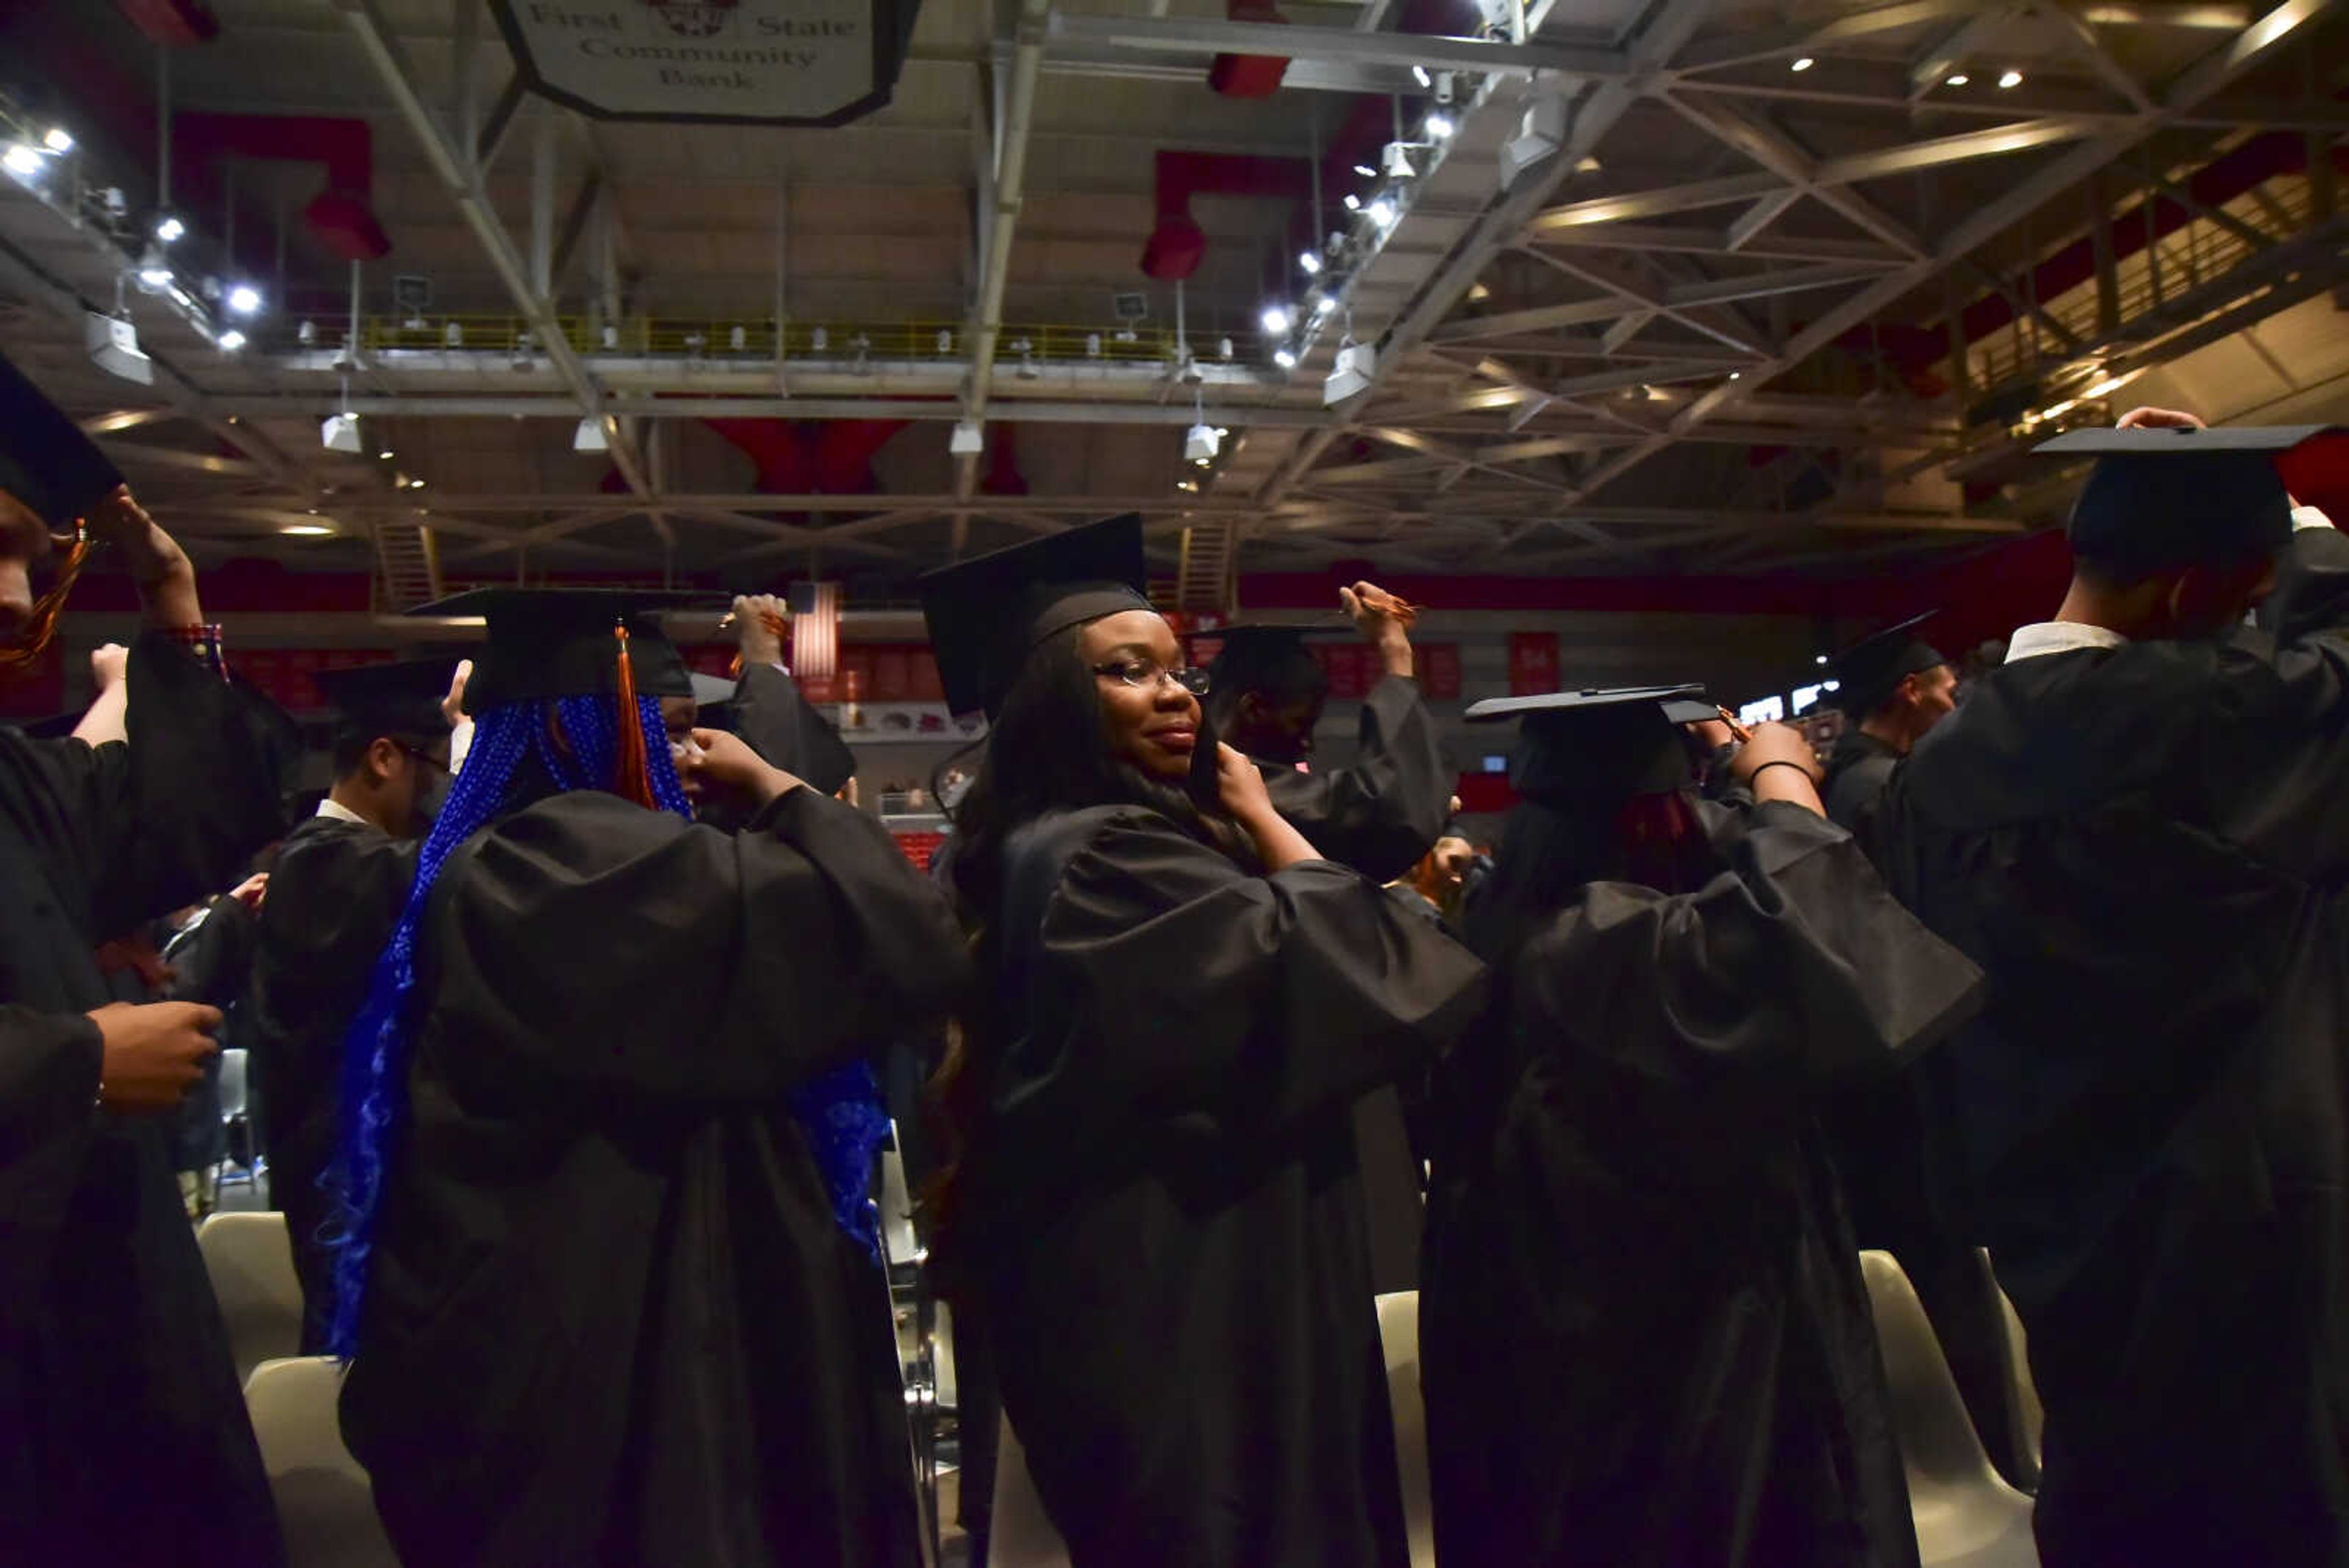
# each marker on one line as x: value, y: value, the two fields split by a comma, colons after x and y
x: 334, y: 897
x: 1644, y: 1338
x: 2146, y: 849
x: 776, y: 720
x: 1857, y: 772
x: 1386, y: 808
x: 127, y: 1443
x: 610, y: 1318
x: 1168, y: 1214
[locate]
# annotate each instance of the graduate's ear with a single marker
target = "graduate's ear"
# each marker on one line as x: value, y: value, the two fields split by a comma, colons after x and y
x: 384, y: 759
x: 2206, y: 600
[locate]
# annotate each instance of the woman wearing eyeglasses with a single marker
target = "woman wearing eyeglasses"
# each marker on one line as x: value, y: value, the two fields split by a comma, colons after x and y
x: 1157, y: 1208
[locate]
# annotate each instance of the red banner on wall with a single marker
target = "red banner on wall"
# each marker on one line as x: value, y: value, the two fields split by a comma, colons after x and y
x: 1438, y: 664
x: 1352, y: 667
x: 1533, y: 663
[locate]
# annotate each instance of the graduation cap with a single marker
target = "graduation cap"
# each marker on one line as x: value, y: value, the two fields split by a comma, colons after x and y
x: 2162, y: 498
x: 1599, y: 743
x: 402, y: 698
x: 987, y: 615
x: 45, y: 460
x: 1867, y: 671
x: 565, y: 642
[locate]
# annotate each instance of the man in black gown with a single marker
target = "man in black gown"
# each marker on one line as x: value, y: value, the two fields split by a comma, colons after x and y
x: 339, y: 883
x: 1381, y: 811
x: 126, y: 1439
x: 1893, y: 688
x: 612, y: 1315
x: 2136, y: 827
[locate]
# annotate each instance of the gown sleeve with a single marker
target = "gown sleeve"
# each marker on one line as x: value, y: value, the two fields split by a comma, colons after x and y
x: 1794, y: 967
x: 779, y: 723
x: 1167, y: 981
x: 623, y: 950
x: 170, y: 816
x: 1382, y: 813
x: 48, y: 1075
x: 2277, y: 750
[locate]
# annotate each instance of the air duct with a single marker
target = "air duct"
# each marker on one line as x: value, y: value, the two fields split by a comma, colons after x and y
x: 1177, y: 245
x: 342, y: 215
x: 1249, y: 76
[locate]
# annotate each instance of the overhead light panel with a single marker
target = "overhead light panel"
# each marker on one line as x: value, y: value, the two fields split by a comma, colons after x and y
x: 968, y: 439
x: 339, y: 432
x: 1201, y: 443
x: 1274, y: 319
x: 1350, y: 374
x: 114, y: 348
x: 307, y: 530
x: 590, y: 436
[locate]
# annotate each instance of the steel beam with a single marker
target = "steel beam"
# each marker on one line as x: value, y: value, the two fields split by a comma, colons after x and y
x: 318, y: 403
x: 1167, y: 36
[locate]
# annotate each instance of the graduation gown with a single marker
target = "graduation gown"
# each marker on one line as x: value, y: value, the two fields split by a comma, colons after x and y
x: 1644, y: 1338
x: 127, y: 1443
x: 334, y: 897
x: 1384, y: 810
x: 611, y: 1318
x: 2147, y: 848
x: 1168, y: 1213
x: 776, y: 720
x: 1858, y: 771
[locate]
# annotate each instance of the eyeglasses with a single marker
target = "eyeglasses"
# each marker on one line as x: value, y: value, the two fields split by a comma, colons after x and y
x: 1144, y: 674
x: 438, y: 764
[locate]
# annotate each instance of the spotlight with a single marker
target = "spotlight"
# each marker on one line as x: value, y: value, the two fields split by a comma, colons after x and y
x: 611, y: 335
x: 387, y: 454
x: 1958, y: 78
x: 738, y: 340
x: 1093, y: 346
x: 306, y: 334
x: 1366, y: 171
x: 154, y: 272
x: 946, y: 341
x: 2010, y: 79
x: 57, y: 139
x: 1350, y: 374
x: 1190, y: 485
x: 1285, y: 359
x: 1478, y: 293
x: 968, y: 440
x: 1397, y: 159
x: 244, y: 299
x: 589, y: 436
x: 1803, y: 64
x: 339, y: 432
x: 1418, y: 74
x: 1224, y: 347
x: 1353, y: 203
x: 230, y: 341
x: 453, y: 336
x: 414, y: 484
x: 23, y: 161
x: 168, y: 229
x: 114, y: 349
x: 819, y: 340
x: 1820, y: 659
x: 1322, y: 304
x: 1201, y: 443
x: 1439, y: 126
x: 1444, y: 87
x: 1383, y: 213
x: 1539, y: 135
x: 1311, y: 261
x: 1274, y: 319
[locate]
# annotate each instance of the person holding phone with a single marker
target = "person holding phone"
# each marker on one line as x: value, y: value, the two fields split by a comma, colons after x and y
x: 1157, y: 1207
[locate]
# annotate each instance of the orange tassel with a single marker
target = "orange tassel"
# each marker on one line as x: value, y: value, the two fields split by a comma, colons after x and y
x: 636, y: 780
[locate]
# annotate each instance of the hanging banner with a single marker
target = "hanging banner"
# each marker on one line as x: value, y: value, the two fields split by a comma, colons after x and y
x: 1533, y: 663
x: 737, y: 62
x: 1438, y: 665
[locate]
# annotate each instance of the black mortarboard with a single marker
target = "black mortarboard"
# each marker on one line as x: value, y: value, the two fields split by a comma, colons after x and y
x: 1866, y: 672
x: 1601, y: 743
x: 2160, y: 499
x: 395, y: 699
x: 987, y: 615
x: 45, y: 460
x: 561, y: 643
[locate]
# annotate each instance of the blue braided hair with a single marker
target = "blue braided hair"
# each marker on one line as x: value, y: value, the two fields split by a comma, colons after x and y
x: 840, y: 1111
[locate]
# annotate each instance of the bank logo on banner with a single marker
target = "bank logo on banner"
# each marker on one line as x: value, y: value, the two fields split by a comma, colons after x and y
x: 767, y: 62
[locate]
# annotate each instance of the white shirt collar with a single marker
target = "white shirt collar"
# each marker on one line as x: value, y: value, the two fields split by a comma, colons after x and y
x: 2059, y: 636
x: 332, y: 808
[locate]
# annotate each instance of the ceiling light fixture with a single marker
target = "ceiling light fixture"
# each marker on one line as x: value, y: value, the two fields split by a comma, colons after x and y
x: 385, y: 454
x: 339, y: 432
x: 2010, y: 79
x: 168, y: 228
x: 1311, y: 261
x: 1366, y: 171
x: 307, y: 530
x: 1285, y: 359
x: 1803, y: 63
x: 1418, y: 74
x: 589, y: 436
x: 23, y: 161
x: 1201, y: 443
x: 1439, y: 126
x: 1274, y: 319
x: 1383, y: 213
x: 1353, y: 203
x: 57, y: 139
x: 230, y: 341
x: 1958, y: 78
x: 244, y: 299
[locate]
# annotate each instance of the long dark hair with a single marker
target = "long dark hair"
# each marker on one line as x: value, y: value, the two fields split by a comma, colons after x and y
x: 1550, y: 852
x: 1047, y: 749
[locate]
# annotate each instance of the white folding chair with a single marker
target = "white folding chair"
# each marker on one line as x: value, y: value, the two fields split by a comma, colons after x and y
x: 1966, y: 1517
x: 251, y: 1266
x: 2018, y: 1359
x: 1022, y: 1535
x: 325, y: 1505
x: 1399, y: 1335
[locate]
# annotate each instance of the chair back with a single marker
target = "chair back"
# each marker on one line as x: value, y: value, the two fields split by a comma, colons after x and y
x: 325, y: 1505
x: 251, y: 1266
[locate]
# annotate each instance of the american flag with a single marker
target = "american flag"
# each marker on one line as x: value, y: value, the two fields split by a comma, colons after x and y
x: 815, y: 630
